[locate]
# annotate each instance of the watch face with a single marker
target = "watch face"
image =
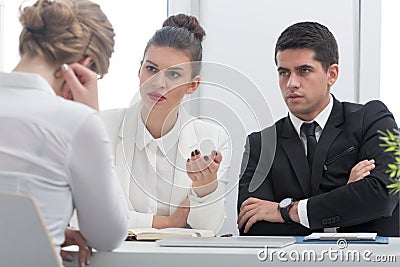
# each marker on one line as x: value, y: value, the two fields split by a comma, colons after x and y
x: 285, y: 202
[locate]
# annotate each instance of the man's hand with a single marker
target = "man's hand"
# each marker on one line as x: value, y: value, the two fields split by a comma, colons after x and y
x: 253, y: 210
x: 360, y: 170
x: 74, y: 237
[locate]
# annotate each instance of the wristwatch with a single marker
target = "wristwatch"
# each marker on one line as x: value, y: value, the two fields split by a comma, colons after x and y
x: 284, y: 207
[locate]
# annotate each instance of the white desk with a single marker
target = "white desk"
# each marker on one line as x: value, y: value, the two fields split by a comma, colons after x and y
x: 135, y: 253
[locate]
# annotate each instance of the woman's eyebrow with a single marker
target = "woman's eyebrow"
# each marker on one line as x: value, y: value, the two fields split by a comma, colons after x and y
x: 151, y: 62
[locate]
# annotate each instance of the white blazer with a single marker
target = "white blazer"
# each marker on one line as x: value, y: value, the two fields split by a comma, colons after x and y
x: 207, y: 212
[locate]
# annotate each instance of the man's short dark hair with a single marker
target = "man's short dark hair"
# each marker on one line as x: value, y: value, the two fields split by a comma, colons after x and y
x: 310, y: 35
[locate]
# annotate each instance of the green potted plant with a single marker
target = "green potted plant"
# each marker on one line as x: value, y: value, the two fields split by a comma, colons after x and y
x: 391, y: 143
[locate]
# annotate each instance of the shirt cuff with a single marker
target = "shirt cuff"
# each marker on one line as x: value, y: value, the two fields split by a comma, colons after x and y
x: 140, y: 220
x: 302, y: 212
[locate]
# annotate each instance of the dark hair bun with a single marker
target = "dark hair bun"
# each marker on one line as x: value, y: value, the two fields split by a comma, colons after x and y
x: 185, y: 21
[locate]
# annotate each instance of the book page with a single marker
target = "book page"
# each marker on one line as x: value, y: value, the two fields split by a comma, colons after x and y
x: 155, y: 234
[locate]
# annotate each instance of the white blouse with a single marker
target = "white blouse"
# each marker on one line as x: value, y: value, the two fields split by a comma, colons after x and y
x: 153, y: 169
x: 58, y: 151
x: 153, y: 173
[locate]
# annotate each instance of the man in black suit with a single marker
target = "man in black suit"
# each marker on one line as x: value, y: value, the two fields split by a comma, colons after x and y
x: 302, y: 184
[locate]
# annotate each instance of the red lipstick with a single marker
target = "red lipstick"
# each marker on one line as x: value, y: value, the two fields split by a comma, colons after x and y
x: 156, y: 96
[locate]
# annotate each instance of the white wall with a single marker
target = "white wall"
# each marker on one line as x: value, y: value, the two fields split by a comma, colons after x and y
x: 1, y: 34
x: 12, y: 28
x: 134, y: 23
x: 369, y: 66
x: 242, y: 36
x: 390, y: 92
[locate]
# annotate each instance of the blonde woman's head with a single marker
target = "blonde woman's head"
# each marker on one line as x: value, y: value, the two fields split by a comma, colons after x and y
x: 66, y: 31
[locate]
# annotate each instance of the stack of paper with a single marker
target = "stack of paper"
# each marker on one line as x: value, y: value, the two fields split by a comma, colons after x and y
x: 336, y: 236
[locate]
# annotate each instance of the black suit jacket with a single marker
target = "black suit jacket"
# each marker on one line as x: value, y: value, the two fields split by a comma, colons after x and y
x: 350, y: 135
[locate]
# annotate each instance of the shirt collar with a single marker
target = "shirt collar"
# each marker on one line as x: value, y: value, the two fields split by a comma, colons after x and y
x: 321, y: 118
x: 25, y: 80
x: 164, y: 143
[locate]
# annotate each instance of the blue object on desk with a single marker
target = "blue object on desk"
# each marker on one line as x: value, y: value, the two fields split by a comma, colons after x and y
x: 378, y: 240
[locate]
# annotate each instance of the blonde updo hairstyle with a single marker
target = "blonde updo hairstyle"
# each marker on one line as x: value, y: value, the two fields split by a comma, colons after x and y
x: 65, y: 31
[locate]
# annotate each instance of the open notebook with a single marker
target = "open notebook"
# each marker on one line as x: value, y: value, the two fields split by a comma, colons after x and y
x: 155, y: 234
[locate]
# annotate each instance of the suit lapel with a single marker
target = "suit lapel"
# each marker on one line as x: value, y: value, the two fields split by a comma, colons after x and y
x: 294, y: 150
x: 126, y: 147
x: 328, y: 136
x: 187, y: 142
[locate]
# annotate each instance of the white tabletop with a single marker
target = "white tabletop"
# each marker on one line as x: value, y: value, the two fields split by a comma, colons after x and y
x: 139, y: 253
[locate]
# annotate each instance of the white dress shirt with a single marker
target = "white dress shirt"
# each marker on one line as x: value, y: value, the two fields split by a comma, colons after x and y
x: 321, y: 119
x: 153, y: 169
x: 58, y: 151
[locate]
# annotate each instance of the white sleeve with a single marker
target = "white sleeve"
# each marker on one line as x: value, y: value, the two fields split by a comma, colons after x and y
x: 98, y: 198
x: 302, y: 212
x: 112, y: 120
x: 140, y: 220
x: 209, y: 212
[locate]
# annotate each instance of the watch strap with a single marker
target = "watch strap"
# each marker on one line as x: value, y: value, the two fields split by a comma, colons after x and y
x: 285, y: 214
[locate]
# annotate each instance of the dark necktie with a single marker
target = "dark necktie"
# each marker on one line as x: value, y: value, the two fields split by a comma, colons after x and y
x: 309, y: 130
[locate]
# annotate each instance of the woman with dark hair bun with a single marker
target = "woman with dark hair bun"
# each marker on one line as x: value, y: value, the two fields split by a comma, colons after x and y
x: 172, y: 165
